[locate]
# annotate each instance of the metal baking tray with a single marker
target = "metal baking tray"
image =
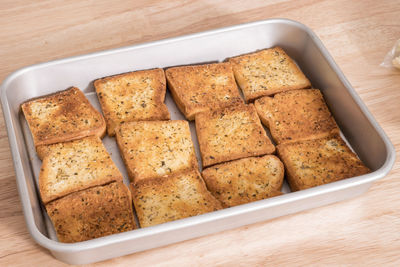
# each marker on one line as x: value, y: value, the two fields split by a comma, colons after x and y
x: 358, y: 126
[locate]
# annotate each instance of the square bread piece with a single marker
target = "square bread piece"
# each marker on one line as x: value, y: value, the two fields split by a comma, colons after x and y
x: 156, y: 148
x: 133, y: 96
x: 73, y: 166
x: 199, y: 88
x: 170, y: 198
x: 267, y: 72
x: 62, y: 117
x: 319, y: 161
x: 91, y: 213
x: 245, y: 180
x: 231, y: 133
x: 296, y: 115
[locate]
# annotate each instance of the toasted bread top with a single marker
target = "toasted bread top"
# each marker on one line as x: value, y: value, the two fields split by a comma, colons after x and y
x: 133, y: 96
x: 73, y: 166
x: 245, y: 180
x: 296, y: 115
x: 199, y: 88
x: 170, y: 198
x: 156, y: 148
x: 231, y: 133
x: 267, y: 72
x: 92, y: 213
x: 61, y: 117
x: 319, y: 161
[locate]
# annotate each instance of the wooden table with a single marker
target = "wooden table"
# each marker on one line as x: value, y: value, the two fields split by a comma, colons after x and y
x: 358, y: 34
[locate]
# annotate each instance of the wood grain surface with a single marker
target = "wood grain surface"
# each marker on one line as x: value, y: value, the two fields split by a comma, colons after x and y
x: 363, y: 231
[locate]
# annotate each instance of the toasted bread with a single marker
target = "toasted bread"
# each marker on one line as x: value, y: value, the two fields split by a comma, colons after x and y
x: 156, y: 148
x: 133, y: 96
x: 245, y: 180
x: 73, y: 166
x: 319, y: 161
x: 62, y: 117
x: 296, y: 115
x: 170, y: 198
x: 91, y: 213
x: 231, y: 133
x: 199, y: 88
x: 267, y: 72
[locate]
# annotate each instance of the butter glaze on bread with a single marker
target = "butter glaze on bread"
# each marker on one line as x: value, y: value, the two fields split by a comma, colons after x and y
x: 62, y: 117
x: 91, y: 213
x: 133, y: 96
x: 267, y: 72
x: 231, y: 133
x: 74, y: 166
x: 200, y: 88
x: 319, y: 161
x: 156, y: 148
x: 296, y: 115
x: 245, y: 180
x: 170, y: 198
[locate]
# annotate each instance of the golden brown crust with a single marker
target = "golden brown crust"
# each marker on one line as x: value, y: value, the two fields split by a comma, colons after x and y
x: 198, y: 88
x: 156, y: 148
x: 95, y: 212
x: 231, y: 133
x: 319, y: 161
x: 63, y: 116
x: 170, y: 198
x: 296, y: 115
x: 245, y: 180
x: 267, y: 72
x: 73, y: 166
x: 133, y: 96
x: 43, y: 150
